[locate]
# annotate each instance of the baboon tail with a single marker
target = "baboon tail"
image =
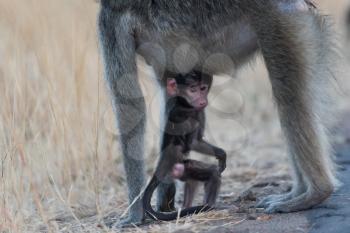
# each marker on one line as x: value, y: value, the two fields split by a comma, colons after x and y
x: 146, y: 200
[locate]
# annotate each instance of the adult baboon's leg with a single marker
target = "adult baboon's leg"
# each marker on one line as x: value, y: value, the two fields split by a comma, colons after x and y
x: 295, y: 69
x: 128, y: 102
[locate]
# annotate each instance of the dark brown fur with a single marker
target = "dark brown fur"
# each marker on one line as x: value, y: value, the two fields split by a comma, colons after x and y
x: 184, y: 132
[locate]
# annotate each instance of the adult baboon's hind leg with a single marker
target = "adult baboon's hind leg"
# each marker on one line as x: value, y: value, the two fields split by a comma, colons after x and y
x: 293, y: 46
x: 121, y: 74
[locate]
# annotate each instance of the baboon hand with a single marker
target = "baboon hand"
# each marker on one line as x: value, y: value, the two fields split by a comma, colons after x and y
x: 220, y: 155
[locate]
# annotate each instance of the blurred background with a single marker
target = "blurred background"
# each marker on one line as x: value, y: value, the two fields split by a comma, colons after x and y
x: 60, y: 162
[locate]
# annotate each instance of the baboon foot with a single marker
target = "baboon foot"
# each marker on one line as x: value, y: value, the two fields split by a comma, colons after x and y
x: 290, y: 202
x: 130, y: 221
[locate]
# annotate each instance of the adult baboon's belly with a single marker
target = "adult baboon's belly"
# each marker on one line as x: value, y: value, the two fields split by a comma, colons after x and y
x: 216, y: 52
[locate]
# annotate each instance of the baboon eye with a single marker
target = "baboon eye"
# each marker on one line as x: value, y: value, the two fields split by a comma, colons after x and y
x: 204, y: 88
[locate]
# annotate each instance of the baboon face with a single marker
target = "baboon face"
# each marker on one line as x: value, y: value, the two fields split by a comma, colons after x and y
x: 193, y: 88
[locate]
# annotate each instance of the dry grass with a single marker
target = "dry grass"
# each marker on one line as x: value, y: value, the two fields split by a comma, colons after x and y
x: 59, y: 156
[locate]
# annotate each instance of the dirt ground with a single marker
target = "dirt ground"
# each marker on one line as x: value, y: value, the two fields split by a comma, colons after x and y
x: 60, y: 163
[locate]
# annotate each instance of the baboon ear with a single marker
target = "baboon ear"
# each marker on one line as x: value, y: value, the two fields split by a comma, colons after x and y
x: 171, y: 87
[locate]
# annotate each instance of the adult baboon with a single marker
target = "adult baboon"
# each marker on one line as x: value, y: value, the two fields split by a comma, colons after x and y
x: 293, y: 40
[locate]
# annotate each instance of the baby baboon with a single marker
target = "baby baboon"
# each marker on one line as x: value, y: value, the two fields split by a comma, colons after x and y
x: 294, y: 40
x: 183, y: 133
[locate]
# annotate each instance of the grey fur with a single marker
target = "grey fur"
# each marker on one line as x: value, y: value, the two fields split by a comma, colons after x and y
x: 171, y: 34
x: 347, y: 23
